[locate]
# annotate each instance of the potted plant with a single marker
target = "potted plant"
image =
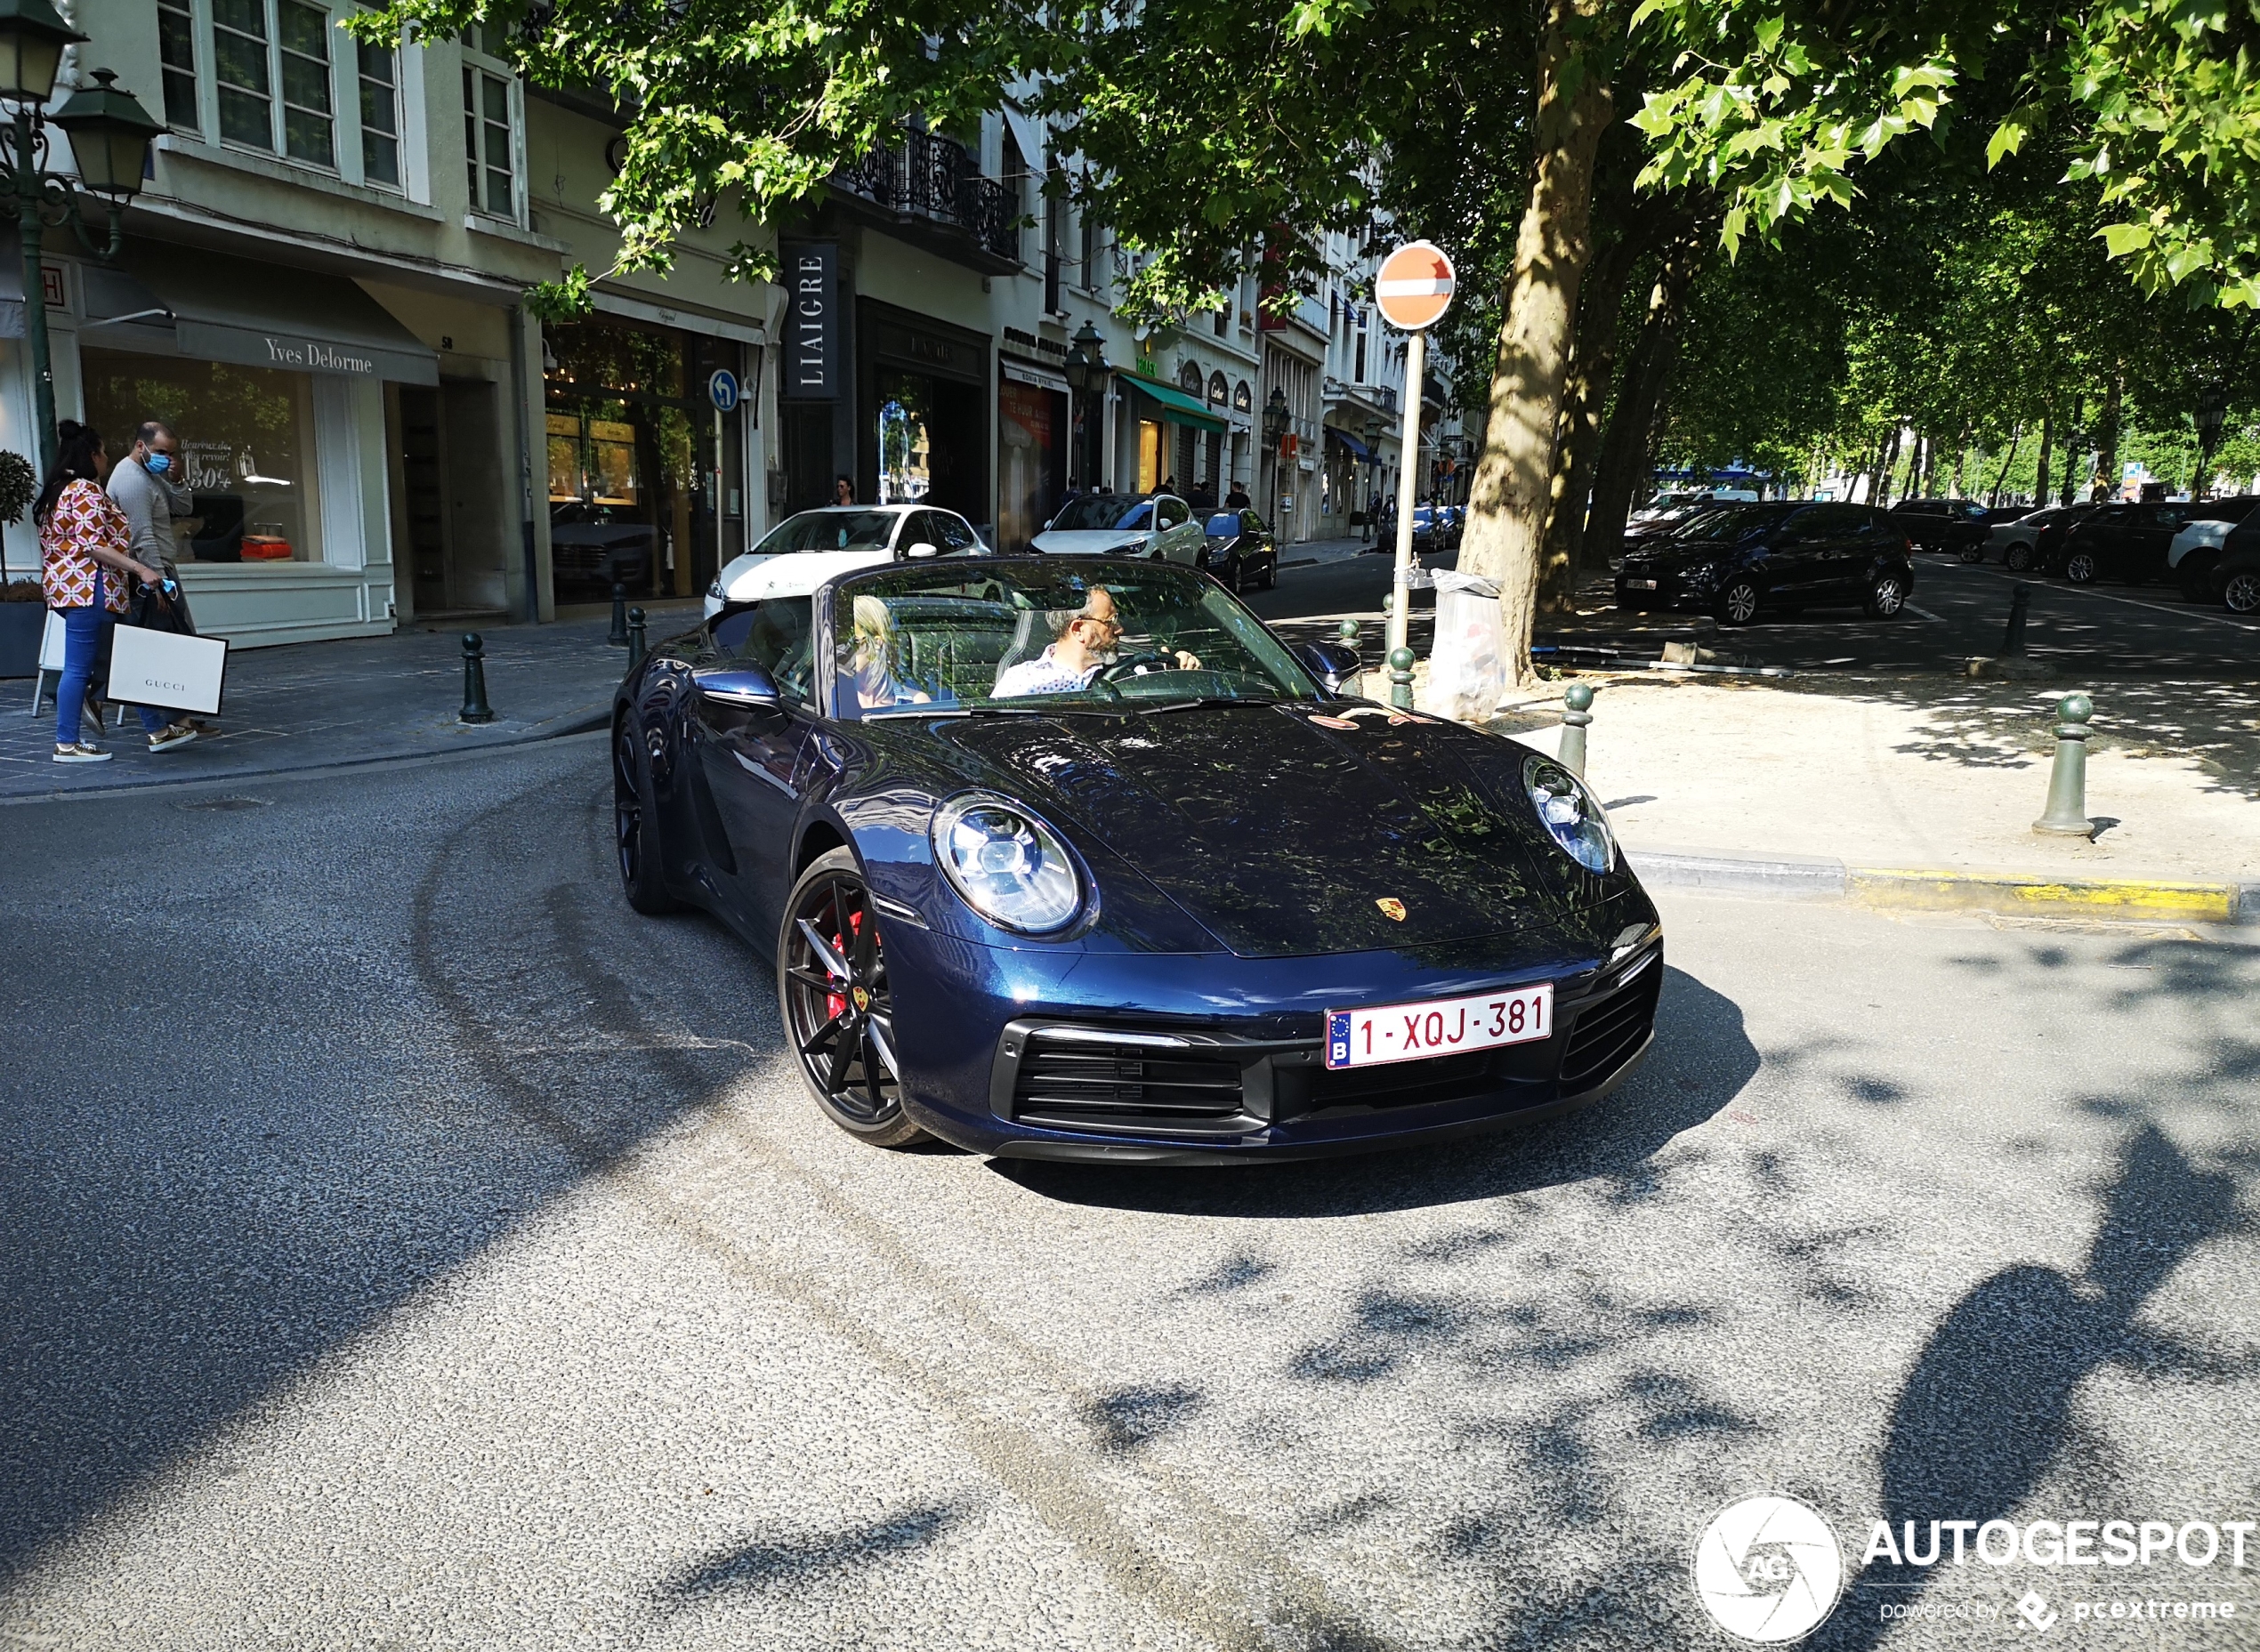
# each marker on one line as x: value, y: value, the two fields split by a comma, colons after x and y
x: 23, y: 605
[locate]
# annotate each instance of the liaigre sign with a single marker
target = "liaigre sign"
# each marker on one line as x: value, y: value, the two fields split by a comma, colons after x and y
x: 810, y: 356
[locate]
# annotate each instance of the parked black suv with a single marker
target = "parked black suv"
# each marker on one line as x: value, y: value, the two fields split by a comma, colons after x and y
x: 1958, y: 525
x: 1740, y: 560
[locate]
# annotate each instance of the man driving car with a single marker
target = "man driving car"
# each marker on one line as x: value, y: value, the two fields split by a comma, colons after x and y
x: 1083, y: 642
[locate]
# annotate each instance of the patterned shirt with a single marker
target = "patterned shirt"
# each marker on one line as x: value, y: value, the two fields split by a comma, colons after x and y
x: 1044, y: 674
x: 83, y: 516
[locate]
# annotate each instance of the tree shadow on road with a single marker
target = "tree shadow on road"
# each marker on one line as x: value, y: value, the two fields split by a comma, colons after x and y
x: 1700, y: 1061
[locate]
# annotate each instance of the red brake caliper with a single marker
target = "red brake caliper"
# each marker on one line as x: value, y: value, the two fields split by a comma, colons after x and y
x: 835, y: 1003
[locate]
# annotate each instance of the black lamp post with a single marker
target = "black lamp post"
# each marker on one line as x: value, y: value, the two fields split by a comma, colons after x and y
x: 1088, y: 370
x: 2212, y: 408
x: 110, y: 140
x: 1276, y: 419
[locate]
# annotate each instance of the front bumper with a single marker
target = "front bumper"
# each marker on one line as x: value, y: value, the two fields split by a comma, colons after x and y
x: 1672, y: 592
x: 1132, y: 1059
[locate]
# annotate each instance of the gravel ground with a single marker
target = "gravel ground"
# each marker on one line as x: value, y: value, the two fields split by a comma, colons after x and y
x: 403, y: 1244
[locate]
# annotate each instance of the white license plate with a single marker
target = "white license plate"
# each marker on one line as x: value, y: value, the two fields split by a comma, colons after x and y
x: 1640, y: 585
x: 1413, y: 1032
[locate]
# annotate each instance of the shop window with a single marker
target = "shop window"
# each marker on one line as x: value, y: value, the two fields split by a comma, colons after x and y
x: 247, y: 441
x: 906, y: 453
x: 380, y: 79
x: 177, y: 54
x: 490, y: 129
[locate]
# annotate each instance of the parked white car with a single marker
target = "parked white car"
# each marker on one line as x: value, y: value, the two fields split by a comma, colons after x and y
x: 1161, y: 526
x: 839, y: 537
x: 2195, y: 551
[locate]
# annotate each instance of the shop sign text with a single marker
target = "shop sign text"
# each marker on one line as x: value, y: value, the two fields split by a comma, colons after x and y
x: 307, y: 356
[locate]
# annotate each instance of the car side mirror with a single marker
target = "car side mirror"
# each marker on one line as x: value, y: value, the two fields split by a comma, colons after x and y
x: 1333, y: 664
x: 923, y: 549
x: 747, y: 687
x: 1047, y: 523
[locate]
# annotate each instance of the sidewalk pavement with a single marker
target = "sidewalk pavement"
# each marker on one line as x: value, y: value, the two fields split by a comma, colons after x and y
x: 310, y: 704
x: 1922, y: 791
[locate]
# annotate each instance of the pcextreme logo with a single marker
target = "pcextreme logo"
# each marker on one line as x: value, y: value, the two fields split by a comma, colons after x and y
x: 1768, y: 1569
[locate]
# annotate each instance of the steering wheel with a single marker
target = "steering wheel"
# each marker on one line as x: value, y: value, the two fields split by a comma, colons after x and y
x: 1137, y: 665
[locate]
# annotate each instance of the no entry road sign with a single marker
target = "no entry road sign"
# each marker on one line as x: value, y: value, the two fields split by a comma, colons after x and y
x: 1415, y: 286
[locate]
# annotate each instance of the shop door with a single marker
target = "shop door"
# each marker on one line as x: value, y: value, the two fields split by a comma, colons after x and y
x: 478, y: 511
x: 1149, y: 456
x: 425, y: 487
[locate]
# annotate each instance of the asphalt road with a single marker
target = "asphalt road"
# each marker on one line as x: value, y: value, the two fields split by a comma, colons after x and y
x: 1958, y: 612
x: 403, y: 1244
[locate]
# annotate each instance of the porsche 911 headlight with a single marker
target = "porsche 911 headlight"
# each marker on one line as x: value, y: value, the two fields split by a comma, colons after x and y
x: 1571, y: 815
x: 1009, y: 866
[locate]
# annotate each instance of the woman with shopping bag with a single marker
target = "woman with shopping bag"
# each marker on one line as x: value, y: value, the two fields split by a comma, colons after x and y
x: 87, y: 571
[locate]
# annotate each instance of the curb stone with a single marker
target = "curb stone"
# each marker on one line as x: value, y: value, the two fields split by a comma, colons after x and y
x: 1903, y: 889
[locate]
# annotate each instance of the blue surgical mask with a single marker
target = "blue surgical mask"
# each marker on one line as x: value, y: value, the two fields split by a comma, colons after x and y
x: 158, y: 463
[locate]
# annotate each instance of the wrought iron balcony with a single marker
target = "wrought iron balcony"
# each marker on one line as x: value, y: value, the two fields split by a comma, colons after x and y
x: 930, y: 180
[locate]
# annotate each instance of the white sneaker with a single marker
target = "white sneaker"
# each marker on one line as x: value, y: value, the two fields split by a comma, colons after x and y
x: 85, y: 752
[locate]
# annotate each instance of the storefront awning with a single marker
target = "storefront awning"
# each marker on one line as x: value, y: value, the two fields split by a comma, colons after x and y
x: 231, y: 309
x: 1358, y: 449
x: 1175, y: 405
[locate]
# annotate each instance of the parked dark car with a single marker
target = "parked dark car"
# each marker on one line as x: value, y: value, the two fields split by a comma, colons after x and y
x: 1957, y: 526
x: 2236, y: 577
x: 1241, y: 551
x: 1740, y: 560
x: 2121, y: 543
x: 589, y: 545
x: 1166, y: 913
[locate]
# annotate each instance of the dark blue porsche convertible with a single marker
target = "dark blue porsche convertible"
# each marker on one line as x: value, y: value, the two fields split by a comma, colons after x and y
x: 1074, y: 859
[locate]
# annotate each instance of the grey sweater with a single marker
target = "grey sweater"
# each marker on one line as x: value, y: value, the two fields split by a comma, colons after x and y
x: 150, y: 503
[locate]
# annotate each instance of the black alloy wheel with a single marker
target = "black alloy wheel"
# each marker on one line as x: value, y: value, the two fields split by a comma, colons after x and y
x: 1887, y: 596
x: 2018, y: 558
x: 1738, y: 604
x: 634, y: 832
x: 1973, y: 554
x: 836, y: 1004
x: 2196, y: 575
x: 2241, y: 593
x: 1272, y: 573
x: 2079, y: 568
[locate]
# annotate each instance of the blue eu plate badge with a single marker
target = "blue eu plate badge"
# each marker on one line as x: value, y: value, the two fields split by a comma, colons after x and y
x: 1338, y: 1038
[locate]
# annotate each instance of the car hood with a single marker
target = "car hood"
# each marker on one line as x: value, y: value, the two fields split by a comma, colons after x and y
x: 1091, y: 541
x: 1283, y: 836
x: 791, y: 573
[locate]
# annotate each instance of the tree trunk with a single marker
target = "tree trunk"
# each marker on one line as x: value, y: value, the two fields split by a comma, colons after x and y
x: 2106, y: 481
x: 1881, y: 491
x: 1627, y: 442
x: 2016, y: 438
x: 1961, y: 448
x: 1507, y: 507
x: 2047, y: 439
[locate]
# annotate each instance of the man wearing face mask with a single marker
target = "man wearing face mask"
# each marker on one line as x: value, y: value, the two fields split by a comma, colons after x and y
x: 148, y: 485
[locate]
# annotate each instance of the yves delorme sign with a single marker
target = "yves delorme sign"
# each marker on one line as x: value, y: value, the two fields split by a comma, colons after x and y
x: 811, y: 353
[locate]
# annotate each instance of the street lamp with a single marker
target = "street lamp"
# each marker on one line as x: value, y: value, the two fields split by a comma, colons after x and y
x: 1087, y: 368
x: 1276, y: 419
x: 2212, y: 408
x: 110, y: 139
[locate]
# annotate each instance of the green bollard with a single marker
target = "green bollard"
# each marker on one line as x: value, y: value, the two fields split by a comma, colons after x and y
x: 1349, y: 631
x: 475, y: 708
x: 1401, y: 675
x: 2067, y: 815
x: 637, y: 646
x: 1576, y: 714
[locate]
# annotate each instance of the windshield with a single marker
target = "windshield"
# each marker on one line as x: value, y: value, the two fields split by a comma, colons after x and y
x: 1224, y: 527
x: 1725, y: 526
x: 1103, y: 511
x: 830, y: 530
x: 1049, y: 639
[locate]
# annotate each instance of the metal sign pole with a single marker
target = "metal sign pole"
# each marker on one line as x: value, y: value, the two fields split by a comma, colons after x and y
x: 1408, y: 489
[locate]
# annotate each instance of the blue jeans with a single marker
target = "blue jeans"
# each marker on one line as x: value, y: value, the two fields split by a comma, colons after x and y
x: 82, y: 629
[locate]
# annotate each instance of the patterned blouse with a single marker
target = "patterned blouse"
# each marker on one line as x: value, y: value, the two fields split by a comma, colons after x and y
x: 83, y: 516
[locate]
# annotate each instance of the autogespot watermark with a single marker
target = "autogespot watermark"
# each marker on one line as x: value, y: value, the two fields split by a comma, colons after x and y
x: 1770, y: 1569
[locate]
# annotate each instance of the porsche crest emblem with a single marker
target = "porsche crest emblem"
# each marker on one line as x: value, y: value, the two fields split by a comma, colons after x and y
x: 1392, y: 909
x: 863, y: 998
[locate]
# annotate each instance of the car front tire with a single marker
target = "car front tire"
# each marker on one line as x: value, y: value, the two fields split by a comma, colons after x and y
x: 636, y: 830
x: 1887, y: 596
x: 837, y: 1006
x: 2241, y: 593
x: 1973, y: 554
x: 2079, y: 568
x: 1739, y: 602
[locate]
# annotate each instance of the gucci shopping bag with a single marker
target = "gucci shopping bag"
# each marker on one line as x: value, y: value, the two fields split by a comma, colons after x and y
x: 170, y: 672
